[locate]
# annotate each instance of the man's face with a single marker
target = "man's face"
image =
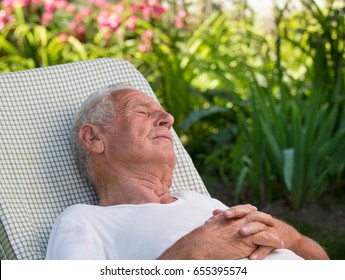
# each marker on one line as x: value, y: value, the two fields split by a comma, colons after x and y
x: 140, y: 132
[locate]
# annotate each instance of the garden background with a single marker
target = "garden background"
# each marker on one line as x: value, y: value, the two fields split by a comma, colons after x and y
x: 259, y: 105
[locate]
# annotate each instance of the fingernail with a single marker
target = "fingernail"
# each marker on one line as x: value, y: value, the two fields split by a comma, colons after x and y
x: 244, y: 230
x: 229, y: 212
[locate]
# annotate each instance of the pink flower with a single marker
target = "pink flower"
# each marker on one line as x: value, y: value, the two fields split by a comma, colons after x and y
x: 77, y: 30
x: 180, y: 19
x: 62, y: 37
x: 60, y: 3
x: 131, y: 22
x: 80, y: 17
x: 146, y: 11
x: 143, y: 48
x: 182, y: 14
x: 70, y: 8
x: 119, y: 8
x: 152, y: 9
x: 107, y: 35
x: 146, y: 41
x: 148, y: 34
x: 114, y: 21
x: 135, y: 7
x: 102, y: 19
x: 110, y: 20
x: 73, y: 25
x: 158, y: 10
x: 14, y: 3
x: 46, y: 18
x: 98, y: 3
x: 4, y: 19
x: 49, y: 6
x: 152, y: 2
x: 86, y: 11
x: 81, y: 32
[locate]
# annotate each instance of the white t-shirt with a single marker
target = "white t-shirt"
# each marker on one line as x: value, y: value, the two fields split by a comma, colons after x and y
x: 129, y: 231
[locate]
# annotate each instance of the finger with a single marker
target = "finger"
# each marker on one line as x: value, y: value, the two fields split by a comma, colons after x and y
x: 239, y: 211
x: 210, y: 219
x: 257, y: 216
x: 215, y: 217
x: 265, y: 238
x: 260, y: 253
x: 252, y: 228
x: 217, y: 211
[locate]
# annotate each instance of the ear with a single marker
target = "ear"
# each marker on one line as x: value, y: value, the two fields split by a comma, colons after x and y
x: 91, y: 136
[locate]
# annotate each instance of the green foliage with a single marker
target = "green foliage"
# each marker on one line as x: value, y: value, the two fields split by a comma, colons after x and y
x: 294, y: 142
x: 294, y: 135
x: 317, y: 34
x: 292, y: 131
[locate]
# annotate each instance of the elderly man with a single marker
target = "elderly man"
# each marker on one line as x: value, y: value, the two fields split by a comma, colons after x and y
x: 122, y: 143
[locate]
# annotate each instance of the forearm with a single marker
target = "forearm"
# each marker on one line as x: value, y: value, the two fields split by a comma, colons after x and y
x: 183, y: 249
x: 308, y: 249
x: 298, y: 243
x: 218, y: 239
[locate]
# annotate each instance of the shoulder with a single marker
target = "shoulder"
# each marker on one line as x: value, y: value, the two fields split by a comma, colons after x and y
x: 78, y: 209
x: 77, y: 234
x: 77, y: 212
x: 76, y: 220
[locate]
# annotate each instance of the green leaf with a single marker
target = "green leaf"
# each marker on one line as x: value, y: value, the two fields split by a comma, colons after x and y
x: 40, y: 35
x: 240, y: 181
x: 78, y: 46
x: 288, y: 167
x: 7, y: 46
x: 197, y: 115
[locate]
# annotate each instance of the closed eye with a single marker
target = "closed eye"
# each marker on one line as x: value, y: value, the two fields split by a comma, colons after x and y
x: 147, y: 114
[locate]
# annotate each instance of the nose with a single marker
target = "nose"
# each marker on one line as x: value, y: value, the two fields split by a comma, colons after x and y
x: 164, y: 119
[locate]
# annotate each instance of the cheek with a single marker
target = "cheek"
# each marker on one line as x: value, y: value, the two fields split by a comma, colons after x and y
x: 127, y: 140
x: 129, y: 136
x: 135, y: 127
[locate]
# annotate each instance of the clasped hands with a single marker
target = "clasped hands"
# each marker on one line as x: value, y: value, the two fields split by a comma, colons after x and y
x: 242, y: 232
x: 248, y: 232
x: 236, y: 233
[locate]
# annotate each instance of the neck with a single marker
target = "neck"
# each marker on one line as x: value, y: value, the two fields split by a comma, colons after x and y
x: 133, y: 186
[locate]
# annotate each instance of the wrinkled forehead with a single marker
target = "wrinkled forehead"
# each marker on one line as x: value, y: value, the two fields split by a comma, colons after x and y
x: 131, y: 98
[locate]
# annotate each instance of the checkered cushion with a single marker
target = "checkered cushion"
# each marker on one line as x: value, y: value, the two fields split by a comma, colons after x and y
x: 38, y: 176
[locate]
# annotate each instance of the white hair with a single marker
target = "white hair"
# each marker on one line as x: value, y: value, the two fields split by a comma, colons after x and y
x: 97, y: 109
